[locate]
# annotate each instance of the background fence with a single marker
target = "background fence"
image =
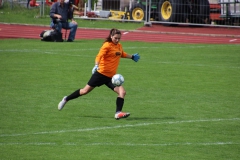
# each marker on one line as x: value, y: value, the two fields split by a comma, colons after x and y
x: 39, y: 8
x: 168, y: 12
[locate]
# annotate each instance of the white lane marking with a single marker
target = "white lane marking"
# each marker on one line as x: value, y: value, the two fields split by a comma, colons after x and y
x: 232, y: 40
x: 93, y: 49
x: 118, y: 144
x: 116, y: 127
x: 165, y: 144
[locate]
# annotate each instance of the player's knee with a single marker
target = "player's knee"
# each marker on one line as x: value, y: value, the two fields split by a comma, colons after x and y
x: 123, y: 93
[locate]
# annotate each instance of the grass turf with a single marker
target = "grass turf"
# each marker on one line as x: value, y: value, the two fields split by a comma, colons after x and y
x: 183, y: 100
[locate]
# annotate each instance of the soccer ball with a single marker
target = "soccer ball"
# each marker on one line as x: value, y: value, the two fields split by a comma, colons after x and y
x: 117, y: 80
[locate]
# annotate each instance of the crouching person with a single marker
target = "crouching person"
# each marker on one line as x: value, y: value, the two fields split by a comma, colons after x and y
x: 60, y: 14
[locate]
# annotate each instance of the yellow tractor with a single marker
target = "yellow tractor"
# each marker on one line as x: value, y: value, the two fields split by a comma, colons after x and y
x: 194, y: 11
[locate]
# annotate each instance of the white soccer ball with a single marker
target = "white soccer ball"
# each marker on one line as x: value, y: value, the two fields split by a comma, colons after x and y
x: 117, y: 80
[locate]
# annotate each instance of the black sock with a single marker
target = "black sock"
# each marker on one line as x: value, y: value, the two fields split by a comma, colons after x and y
x: 74, y: 95
x: 119, y: 103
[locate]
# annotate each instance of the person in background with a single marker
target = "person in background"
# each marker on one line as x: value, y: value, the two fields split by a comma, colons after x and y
x: 106, y: 65
x: 60, y: 14
x: 28, y: 2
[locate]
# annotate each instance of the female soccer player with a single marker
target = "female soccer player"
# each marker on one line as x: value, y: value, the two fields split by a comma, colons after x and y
x: 106, y: 64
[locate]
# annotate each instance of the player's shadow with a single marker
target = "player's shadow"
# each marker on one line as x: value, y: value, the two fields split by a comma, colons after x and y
x: 149, y: 118
x: 131, y: 118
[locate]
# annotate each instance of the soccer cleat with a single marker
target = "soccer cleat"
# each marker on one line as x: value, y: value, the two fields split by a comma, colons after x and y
x: 62, y: 103
x: 120, y: 115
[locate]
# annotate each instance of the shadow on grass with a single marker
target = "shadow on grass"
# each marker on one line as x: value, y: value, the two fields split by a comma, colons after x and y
x: 131, y: 118
x: 148, y: 118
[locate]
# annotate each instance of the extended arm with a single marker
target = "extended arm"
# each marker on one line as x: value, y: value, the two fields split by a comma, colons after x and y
x: 135, y: 57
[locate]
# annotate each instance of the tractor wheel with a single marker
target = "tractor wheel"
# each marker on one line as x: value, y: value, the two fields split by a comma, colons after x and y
x: 137, y: 12
x: 170, y: 10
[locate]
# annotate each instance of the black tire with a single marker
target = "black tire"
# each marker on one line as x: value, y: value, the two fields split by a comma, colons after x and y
x: 170, y: 10
x: 138, y: 12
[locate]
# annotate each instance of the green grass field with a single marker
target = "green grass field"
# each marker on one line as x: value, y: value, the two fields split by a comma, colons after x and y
x: 183, y: 98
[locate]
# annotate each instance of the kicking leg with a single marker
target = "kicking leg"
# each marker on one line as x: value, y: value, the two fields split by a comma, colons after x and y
x: 74, y: 95
x: 119, y: 103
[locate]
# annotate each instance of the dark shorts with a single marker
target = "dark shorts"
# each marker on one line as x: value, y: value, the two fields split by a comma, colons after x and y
x: 99, y: 79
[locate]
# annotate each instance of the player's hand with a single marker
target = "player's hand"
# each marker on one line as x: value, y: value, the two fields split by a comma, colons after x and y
x: 135, y: 57
x: 95, y: 68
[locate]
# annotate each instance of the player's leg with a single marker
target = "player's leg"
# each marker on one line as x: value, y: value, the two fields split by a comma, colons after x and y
x: 80, y: 92
x: 74, y: 95
x: 120, y: 98
x: 94, y: 81
x: 120, y: 102
x: 120, y: 91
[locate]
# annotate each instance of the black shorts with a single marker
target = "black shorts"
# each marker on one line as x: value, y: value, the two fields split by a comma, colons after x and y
x: 99, y: 79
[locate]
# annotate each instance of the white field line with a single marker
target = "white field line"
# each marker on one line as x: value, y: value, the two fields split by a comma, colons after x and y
x: 116, y: 127
x: 232, y: 40
x: 119, y: 144
x: 59, y: 52
x: 91, y: 49
x: 195, y: 65
x: 166, y: 144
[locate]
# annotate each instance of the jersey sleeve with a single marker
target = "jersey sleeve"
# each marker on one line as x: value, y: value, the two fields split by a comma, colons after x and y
x: 101, y: 52
x: 124, y: 54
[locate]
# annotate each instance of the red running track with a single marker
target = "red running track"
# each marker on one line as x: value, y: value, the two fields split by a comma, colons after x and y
x: 156, y: 33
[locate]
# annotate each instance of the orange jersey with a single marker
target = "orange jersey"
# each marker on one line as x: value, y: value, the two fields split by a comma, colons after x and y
x: 108, y: 58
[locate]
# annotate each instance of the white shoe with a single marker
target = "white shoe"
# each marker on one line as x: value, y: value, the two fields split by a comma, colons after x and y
x: 62, y: 103
x: 120, y: 115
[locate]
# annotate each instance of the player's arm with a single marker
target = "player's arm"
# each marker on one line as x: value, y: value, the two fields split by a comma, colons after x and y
x: 98, y: 58
x: 100, y: 54
x: 129, y: 56
x: 135, y: 57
